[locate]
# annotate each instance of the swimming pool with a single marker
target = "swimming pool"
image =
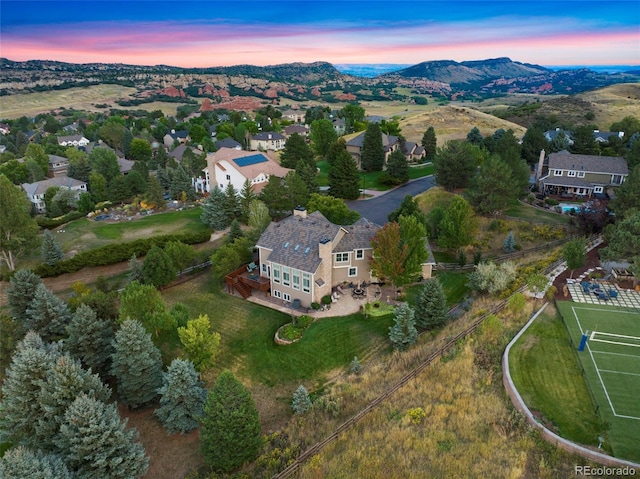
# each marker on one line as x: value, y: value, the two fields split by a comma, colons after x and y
x: 567, y: 207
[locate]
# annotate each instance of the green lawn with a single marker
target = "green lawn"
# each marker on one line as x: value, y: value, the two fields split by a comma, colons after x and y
x: 86, y: 233
x: 547, y: 375
x: 247, y: 331
x: 454, y: 285
x: 530, y: 213
x: 611, y: 361
x: 369, y: 180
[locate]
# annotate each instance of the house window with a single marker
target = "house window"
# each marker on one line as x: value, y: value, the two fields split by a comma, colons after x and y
x: 353, y: 272
x: 276, y: 273
x: 359, y: 254
x: 598, y: 189
x: 571, y: 173
x: 557, y: 172
x: 277, y: 294
x: 228, y: 177
x: 286, y: 296
x: 265, y: 271
x: 286, y: 276
x: 306, y: 282
x: 296, y: 279
x: 342, y: 257
x: 616, y: 179
x: 580, y: 174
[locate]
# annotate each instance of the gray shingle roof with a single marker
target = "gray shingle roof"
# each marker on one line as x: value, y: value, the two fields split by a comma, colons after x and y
x: 358, y: 236
x: 294, y: 240
x: 40, y: 187
x: 588, y: 163
x: 227, y: 143
x: 268, y: 135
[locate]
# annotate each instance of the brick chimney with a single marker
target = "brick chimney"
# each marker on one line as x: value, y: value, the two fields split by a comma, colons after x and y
x: 540, y: 165
x: 300, y: 211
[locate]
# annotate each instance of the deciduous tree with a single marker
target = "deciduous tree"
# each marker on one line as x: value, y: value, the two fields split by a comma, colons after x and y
x: 200, y: 344
x: 457, y: 226
x: 389, y: 254
x: 259, y: 217
x: 181, y: 255
x: 628, y: 195
x: 136, y: 365
x: 334, y: 209
x: 18, y: 230
x: 143, y: 302
x: 140, y: 150
x: 322, y: 136
x: 408, y: 207
x: 105, y: 162
x: 492, y: 278
x: 157, y: 267
x: 230, y: 431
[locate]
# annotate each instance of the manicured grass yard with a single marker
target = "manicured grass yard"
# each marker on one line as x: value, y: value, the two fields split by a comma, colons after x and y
x: 87, y: 233
x: 247, y: 331
x: 369, y: 180
x: 530, y: 213
x: 454, y: 285
x: 547, y: 375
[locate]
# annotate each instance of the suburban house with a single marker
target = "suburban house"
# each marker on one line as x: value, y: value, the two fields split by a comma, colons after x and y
x: 604, y: 136
x: 5, y: 129
x: 35, y: 191
x: 582, y: 176
x: 73, y: 140
x: 550, y: 135
x: 178, y: 152
x: 413, y: 151
x: 58, y: 165
x: 390, y: 144
x: 229, y: 165
x: 299, y: 129
x: 227, y: 143
x: 305, y: 255
x: 125, y: 165
x: 296, y: 116
x: 339, y: 126
x: 267, y: 140
x: 170, y: 138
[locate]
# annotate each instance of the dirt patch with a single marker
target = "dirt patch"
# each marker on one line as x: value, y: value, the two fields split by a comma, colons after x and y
x: 172, y: 456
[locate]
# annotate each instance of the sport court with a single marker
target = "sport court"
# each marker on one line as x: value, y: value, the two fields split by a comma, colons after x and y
x: 611, y: 361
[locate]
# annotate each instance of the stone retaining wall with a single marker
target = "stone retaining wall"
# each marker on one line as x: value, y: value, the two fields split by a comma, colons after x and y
x: 548, y: 435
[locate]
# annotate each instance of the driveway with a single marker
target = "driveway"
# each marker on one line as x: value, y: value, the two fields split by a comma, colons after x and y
x: 377, y: 209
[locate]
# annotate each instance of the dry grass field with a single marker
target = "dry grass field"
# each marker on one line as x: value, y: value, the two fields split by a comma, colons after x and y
x: 613, y: 103
x: 84, y: 98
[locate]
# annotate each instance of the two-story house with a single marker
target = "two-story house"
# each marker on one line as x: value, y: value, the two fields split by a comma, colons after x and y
x: 35, y: 191
x: 267, y: 140
x: 58, y: 165
x: 299, y: 129
x: 228, y: 165
x: 571, y: 175
x: 390, y: 144
x: 305, y: 255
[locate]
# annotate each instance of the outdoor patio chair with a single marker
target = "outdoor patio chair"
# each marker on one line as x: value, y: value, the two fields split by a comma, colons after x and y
x: 586, y: 287
x: 603, y: 296
x: 613, y: 293
x: 339, y: 289
x: 251, y: 266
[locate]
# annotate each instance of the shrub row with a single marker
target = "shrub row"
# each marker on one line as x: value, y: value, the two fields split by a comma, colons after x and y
x: 48, y: 223
x: 117, y: 252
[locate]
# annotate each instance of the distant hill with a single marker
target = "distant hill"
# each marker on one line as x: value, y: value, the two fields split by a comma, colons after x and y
x: 454, y: 73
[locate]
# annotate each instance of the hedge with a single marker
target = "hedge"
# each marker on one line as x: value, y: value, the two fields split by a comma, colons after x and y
x: 117, y: 252
x: 49, y: 223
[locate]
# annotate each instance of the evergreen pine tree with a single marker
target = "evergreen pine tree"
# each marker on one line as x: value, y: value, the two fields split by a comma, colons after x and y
x: 135, y: 269
x: 157, y: 267
x: 182, y: 397
x: 136, y: 365
x: 344, y: 178
x: 47, y: 314
x: 64, y: 381
x: 90, y: 340
x: 403, y: 333
x: 231, y: 204
x: 335, y: 149
x: 355, y: 367
x: 181, y: 182
x: 372, y: 156
x: 398, y: 167
x: 119, y: 190
x: 51, y: 250
x: 19, y: 402
x: 308, y: 174
x: 181, y: 255
x: 274, y: 196
x: 230, y: 431
x: 22, y: 290
x: 475, y: 137
x: 297, y: 193
x: 96, y: 443
x: 22, y: 463
x: 154, y: 195
x: 247, y: 195
x: 431, y: 305
x: 429, y: 143
x: 213, y: 211
x: 509, y: 243
x: 234, y: 232
x: 301, y: 401
x: 295, y: 150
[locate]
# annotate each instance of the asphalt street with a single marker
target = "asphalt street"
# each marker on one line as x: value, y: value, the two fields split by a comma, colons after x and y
x: 377, y: 209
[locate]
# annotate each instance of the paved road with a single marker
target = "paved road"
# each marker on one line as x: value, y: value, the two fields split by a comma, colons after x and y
x: 377, y: 209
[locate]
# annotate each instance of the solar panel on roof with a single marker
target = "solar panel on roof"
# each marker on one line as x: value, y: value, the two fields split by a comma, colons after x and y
x: 250, y: 160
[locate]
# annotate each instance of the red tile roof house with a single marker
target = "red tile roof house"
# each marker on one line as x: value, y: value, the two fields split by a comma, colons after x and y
x: 305, y: 255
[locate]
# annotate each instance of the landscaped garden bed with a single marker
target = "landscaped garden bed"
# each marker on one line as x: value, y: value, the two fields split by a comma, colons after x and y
x: 292, y: 332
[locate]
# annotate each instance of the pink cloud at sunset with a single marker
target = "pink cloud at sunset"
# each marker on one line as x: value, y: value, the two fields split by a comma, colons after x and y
x: 201, y: 44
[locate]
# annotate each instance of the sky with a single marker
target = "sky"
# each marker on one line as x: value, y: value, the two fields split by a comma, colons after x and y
x: 221, y: 33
